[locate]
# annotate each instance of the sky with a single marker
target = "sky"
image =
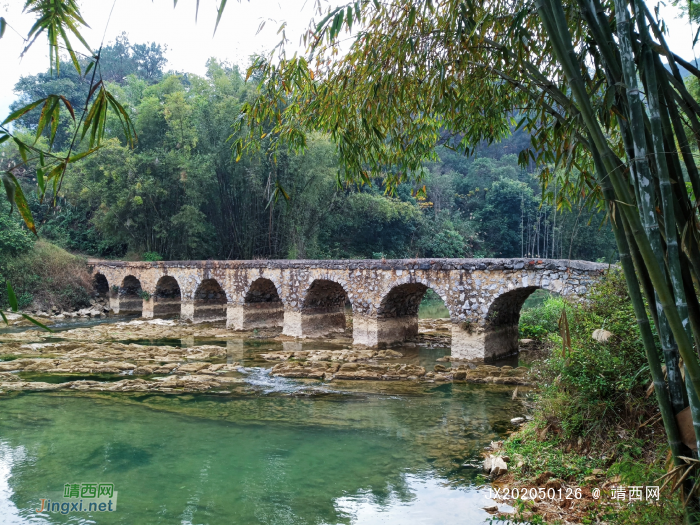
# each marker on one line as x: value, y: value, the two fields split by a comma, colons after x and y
x: 190, y: 44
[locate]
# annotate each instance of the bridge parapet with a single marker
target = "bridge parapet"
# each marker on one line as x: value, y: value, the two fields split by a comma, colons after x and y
x: 307, y: 297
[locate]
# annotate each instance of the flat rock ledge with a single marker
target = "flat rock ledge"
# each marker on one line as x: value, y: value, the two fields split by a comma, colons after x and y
x: 329, y: 371
x: 88, y: 366
x: 108, y: 350
x: 167, y: 385
x: 347, y: 355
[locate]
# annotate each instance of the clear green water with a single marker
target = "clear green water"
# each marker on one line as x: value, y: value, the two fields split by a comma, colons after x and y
x: 287, y: 452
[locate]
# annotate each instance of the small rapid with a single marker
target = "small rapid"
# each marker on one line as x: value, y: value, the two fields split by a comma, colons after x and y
x: 261, y: 379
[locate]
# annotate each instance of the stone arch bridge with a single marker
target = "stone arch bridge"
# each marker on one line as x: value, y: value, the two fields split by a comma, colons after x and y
x: 309, y: 298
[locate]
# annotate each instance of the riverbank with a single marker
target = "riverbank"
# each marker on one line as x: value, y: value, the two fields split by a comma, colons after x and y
x: 595, y: 431
x: 46, y: 279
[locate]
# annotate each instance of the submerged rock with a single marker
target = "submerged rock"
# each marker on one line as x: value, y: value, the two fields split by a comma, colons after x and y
x: 348, y: 355
x: 348, y: 371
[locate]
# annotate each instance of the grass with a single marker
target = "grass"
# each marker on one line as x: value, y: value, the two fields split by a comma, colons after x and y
x: 432, y: 306
x: 46, y: 276
x: 591, y: 407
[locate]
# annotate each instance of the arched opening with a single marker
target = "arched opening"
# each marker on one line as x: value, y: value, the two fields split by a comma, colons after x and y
x: 100, y: 286
x: 209, y: 301
x: 432, y: 306
x: 502, y: 320
x: 324, y: 307
x: 130, y: 300
x: 540, y: 314
x: 100, y: 291
x: 167, y: 299
x: 398, y: 313
x: 403, y: 300
x: 262, y: 306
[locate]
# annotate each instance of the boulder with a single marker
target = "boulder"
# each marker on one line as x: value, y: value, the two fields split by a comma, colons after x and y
x: 601, y: 335
x: 498, y: 466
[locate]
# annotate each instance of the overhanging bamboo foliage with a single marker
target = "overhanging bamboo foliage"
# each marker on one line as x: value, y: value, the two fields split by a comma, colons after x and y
x: 608, y: 123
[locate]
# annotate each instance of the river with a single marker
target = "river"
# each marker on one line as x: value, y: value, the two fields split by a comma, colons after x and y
x: 272, y: 451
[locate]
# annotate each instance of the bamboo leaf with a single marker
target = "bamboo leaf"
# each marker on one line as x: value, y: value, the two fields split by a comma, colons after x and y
x: 90, y: 66
x: 10, y: 190
x: 41, y: 183
x: 11, y: 297
x: 68, y: 105
x: 4, y: 318
x: 21, y: 111
x: 326, y: 19
x: 220, y: 10
x: 23, y: 149
x: 3, y: 24
x: 93, y: 89
x: 56, y: 171
x: 83, y: 154
x: 20, y: 200
x: 127, y: 124
x: 69, y: 47
x: 32, y: 320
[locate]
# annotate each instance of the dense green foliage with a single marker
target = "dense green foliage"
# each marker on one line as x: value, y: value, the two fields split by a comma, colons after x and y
x: 179, y: 194
x: 591, y: 388
x: 590, y: 411
x: 540, y: 315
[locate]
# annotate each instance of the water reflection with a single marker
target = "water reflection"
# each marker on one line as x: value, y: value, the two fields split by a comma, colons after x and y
x: 296, y: 454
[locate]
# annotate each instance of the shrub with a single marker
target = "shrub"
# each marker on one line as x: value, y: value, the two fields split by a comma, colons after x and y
x: 152, y: 256
x: 46, y: 276
x: 14, y: 237
x: 541, y: 319
x: 591, y: 404
x: 597, y: 386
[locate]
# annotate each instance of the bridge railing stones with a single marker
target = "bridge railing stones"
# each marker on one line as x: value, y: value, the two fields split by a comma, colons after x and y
x: 307, y: 298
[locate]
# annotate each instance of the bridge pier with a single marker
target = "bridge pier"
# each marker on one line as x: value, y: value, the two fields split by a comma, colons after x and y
x: 254, y: 315
x: 380, y: 331
x: 148, y: 308
x: 467, y: 342
x: 187, y: 310
x: 114, y: 301
x: 313, y: 323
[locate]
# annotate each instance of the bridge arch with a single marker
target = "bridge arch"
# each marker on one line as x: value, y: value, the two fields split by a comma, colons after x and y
x: 262, y: 305
x: 323, y: 308
x: 209, y: 301
x: 130, y: 300
x: 397, y: 311
x: 167, y: 299
x: 501, y: 323
x: 100, y: 285
x: 395, y: 287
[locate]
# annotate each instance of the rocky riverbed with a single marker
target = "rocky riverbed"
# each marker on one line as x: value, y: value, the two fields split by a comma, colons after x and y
x: 202, y: 359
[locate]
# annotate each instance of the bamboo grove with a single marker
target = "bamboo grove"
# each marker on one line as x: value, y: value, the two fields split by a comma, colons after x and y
x: 594, y: 83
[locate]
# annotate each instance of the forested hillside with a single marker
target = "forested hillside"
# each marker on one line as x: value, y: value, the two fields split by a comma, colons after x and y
x: 180, y: 194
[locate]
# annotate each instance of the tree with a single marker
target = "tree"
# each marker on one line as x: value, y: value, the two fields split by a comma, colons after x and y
x: 419, y: 73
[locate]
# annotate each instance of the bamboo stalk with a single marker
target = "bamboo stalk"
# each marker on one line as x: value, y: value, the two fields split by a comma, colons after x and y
x: 667, y: 199
x: 560, y: 37
x: 657, y: 374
